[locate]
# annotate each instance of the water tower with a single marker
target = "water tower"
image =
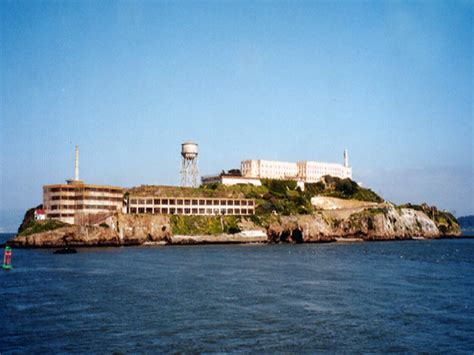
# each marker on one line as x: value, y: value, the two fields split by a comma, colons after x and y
x: 189, y: 168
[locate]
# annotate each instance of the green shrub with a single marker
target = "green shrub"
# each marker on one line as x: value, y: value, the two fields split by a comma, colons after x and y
x: 34, y: 226
x: 205, y: 225
x: 347, y: 189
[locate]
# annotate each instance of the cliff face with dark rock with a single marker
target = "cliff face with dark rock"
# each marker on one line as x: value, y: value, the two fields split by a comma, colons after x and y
x: 341, y: 221
x: 117, y: 230
x: 381, y: 223
x: 71, y: 236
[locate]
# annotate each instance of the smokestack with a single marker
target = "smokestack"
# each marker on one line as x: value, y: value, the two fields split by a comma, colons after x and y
x: 76, y: 165
x: 346, y: 158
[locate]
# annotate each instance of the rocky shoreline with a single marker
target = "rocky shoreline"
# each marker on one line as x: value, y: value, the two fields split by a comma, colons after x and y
x: 379, y: 222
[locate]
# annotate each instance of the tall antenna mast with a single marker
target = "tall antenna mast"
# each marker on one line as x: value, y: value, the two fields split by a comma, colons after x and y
x: 76, y: 164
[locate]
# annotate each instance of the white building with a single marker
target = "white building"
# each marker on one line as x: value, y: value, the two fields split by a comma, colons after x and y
x: 304, y: 171
x: 230, y: 180
x: 269, y: 169
x: 205, y: 206
x: 40, y: 215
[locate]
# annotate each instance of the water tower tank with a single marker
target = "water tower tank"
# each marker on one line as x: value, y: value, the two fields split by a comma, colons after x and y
x: 189, y: 150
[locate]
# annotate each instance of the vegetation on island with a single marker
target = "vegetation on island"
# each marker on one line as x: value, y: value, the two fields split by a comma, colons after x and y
x: 33, y: 226
x: 273, y: 198
x: 205, y: 225
x: 286, y: 198
x: 342, y: 188
x: 28, y: 217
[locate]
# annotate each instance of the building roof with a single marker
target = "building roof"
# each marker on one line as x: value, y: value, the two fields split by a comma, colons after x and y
x: 80, y: 186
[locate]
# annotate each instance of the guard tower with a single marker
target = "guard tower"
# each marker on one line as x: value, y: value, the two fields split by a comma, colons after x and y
x: 189, y: 166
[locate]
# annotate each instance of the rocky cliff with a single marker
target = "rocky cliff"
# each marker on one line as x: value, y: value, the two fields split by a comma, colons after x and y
x: 117, y: 230
x: 385, y: 222
x: 382, y: 221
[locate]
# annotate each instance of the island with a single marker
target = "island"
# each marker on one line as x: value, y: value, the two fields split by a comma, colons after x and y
x: 278, y: 211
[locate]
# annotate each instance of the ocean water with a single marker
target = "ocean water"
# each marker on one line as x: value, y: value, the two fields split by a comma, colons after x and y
x: 370, y: 297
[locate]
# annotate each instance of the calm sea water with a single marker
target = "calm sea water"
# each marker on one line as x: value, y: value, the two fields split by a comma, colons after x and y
x: 388, y: 296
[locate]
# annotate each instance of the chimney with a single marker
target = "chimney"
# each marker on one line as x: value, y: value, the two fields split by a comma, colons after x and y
x: 346, y: 158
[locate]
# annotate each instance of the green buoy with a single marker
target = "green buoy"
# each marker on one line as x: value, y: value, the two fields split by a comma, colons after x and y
x: 7, y: 258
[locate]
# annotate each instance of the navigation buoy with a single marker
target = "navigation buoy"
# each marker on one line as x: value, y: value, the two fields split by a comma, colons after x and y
x: 7, y: 258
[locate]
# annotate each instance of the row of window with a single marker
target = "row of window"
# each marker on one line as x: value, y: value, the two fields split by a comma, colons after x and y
x: 81, y: 197
x: 58, y: 215
x: 193, y: 211
x: 191, y: 202
x: 82, y: 189
x: 84, y: 207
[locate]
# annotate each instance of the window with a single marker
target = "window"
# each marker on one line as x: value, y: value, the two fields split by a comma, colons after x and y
x: 223, y: 203
x: 172, y: 201
x: 180, y: 202
x: 141, y: 210
x: 179, y: 211
x: 157, y: 201
x: 149, y: 202
x: 149, y: 210
x: 216, y: 202
x: 208, y: 202
x: 201, y: 202
x: 195, y: 202
x: 187, y: 210
x: 164, y: 201
x: 187, y: 202
x: 195, y: 210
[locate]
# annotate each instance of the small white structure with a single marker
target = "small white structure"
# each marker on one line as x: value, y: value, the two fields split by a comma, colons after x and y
x: 189, y: 167
x: 40, y: 215
x: 230, y: 180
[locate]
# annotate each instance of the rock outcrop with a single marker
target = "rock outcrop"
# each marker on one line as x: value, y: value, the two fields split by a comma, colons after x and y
x: 73, y: 236
x: 383, y: 221
x: 117, y: 230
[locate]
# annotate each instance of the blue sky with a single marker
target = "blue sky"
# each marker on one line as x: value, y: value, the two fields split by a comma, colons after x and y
x: 128, y: 81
